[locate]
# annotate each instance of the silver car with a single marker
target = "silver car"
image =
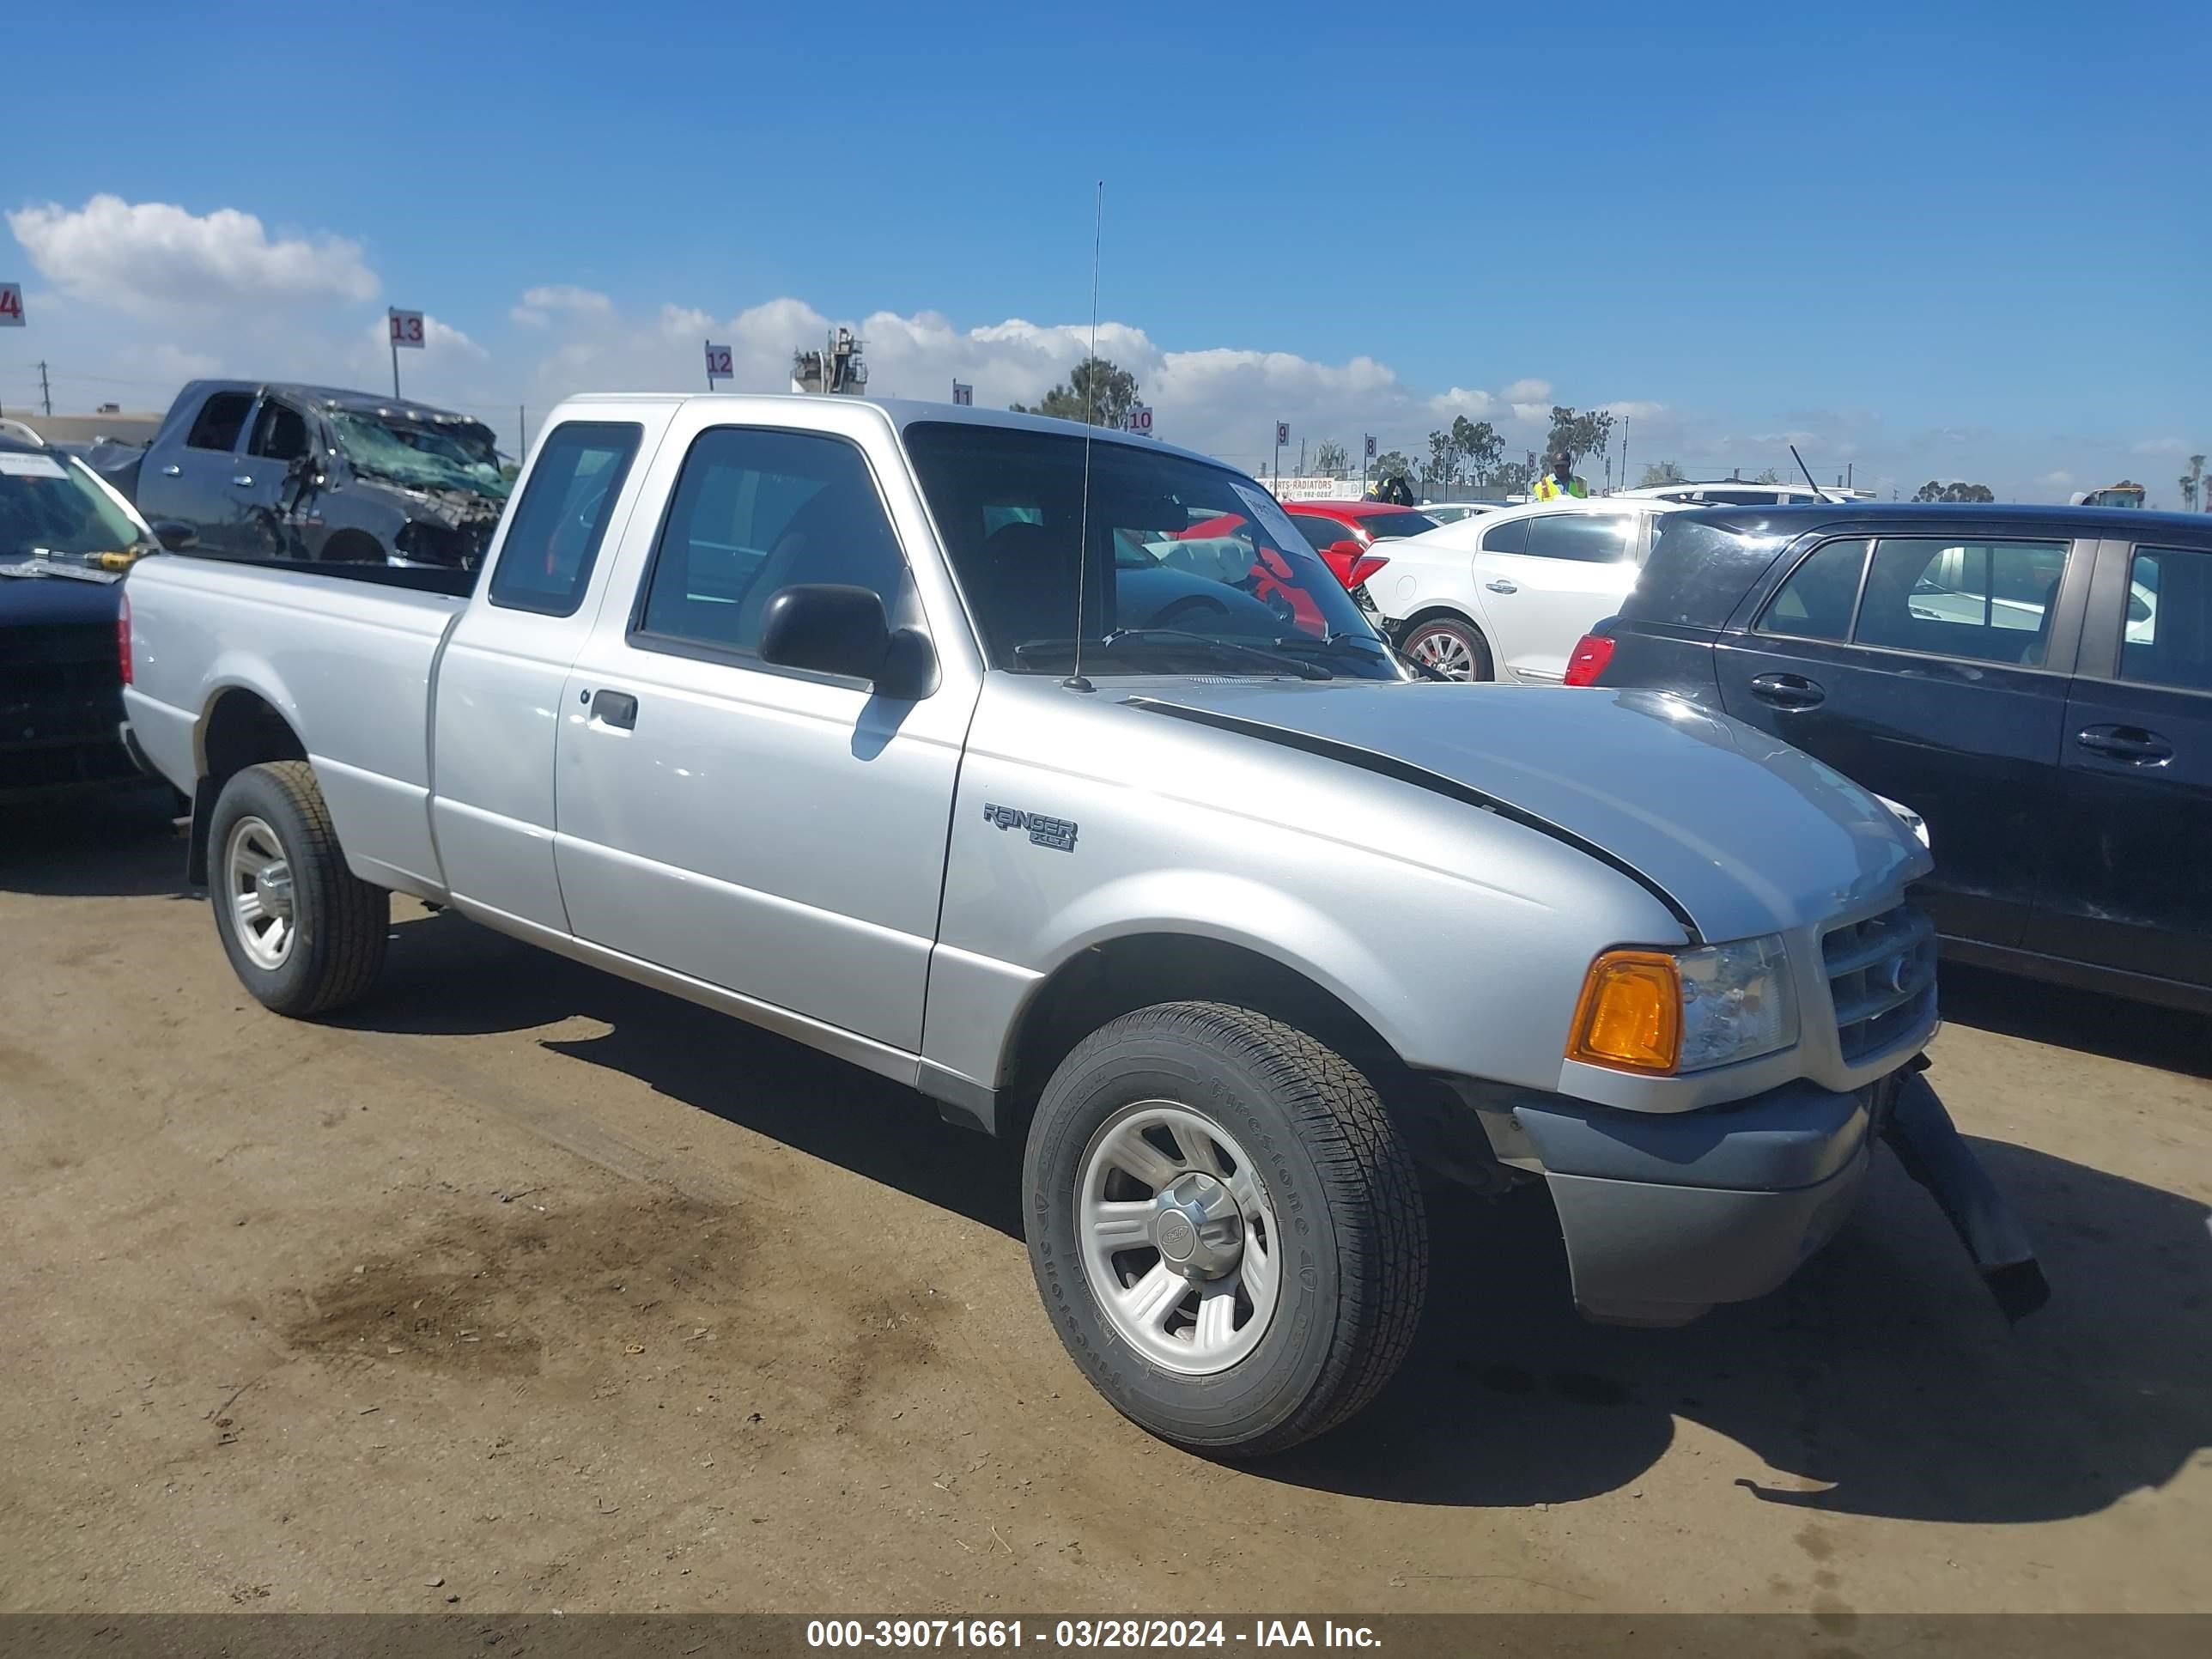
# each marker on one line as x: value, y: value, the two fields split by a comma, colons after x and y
x: 1053, y: 774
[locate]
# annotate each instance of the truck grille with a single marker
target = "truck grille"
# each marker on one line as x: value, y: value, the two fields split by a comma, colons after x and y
x: 1881, y: 978
x: 61, y: 701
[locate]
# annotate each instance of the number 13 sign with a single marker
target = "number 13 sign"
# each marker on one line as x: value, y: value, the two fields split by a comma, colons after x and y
x: 407, y: 328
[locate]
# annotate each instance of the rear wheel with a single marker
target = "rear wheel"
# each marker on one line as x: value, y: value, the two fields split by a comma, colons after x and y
x: 304, y: 934
x: 1225, y: 1225
x: 1451, y: 647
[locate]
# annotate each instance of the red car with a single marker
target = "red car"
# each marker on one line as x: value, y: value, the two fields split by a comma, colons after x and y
x: 1344, y: 534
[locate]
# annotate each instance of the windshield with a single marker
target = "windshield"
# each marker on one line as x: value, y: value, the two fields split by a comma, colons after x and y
x: 1192, y: 550
x: 49, y: 504
x: 439, y: 455
x: 1382, y: 525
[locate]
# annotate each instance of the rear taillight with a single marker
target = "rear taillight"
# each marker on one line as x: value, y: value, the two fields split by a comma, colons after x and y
x: 1592, y: 653
x: 122, y: 637
x: 1352, y: 566
x: 1363, y: 567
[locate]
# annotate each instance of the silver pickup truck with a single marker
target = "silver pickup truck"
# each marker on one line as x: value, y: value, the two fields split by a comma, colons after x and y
x: 778, y: 704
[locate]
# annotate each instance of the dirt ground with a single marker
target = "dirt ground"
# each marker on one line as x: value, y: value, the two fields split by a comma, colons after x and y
x: 519, y: 1288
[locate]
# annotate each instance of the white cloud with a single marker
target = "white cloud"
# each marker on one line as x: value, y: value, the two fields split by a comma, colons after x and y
x: 2060, y: 479
x: 537, y: 303
x: 2156, y: 447
x: 151, y: 256
x: 1529, y: 392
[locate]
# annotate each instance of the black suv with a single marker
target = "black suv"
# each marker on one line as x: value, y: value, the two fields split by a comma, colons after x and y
x: 2036, y: 683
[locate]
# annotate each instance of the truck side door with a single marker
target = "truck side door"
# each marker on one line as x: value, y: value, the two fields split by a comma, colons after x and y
x: 2130, y: 887
x: 191, y: 482
x: 777, y: 834
x: 497, y: 705
x: 268, y: 486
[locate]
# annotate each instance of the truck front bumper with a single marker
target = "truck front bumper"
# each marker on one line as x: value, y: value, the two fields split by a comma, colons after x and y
x: 1665, y: 1216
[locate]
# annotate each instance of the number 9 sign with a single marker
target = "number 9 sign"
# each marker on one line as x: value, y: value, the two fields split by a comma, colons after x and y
x: 407, y: 328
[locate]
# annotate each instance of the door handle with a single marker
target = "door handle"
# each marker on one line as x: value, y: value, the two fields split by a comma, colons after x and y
x: 244, y: 481
x: 1499, y: 585
x: 171, y: 470
x: 616, y: 708
x: 2125, y: 743
x: 1787, y: 690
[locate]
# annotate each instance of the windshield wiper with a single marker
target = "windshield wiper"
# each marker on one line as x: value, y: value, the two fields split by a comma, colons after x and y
x: 1177, y: 638
x: 1366, y: 647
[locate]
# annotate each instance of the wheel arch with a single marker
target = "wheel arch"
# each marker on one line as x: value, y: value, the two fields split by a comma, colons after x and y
x: 240, y: 728
x: 1118, y: 976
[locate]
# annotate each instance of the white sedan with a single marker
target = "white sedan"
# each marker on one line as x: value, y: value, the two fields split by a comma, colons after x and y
x: 1507, y: 595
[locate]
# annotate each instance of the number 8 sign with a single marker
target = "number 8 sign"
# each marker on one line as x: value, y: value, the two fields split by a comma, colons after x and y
x: 407, y: 328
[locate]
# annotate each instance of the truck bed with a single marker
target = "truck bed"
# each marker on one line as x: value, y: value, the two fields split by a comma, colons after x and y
x: 348, y: 654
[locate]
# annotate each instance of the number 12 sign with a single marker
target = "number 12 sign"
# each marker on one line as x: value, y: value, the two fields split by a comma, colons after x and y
x: 718, y: 363
x: 11, y: 305
x: 407, y: 328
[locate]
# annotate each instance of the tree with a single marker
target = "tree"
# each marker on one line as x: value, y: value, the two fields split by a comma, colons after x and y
x: 2192, y: 484
x: 1662, y: 472
x: 1583, y: 433
x: 1768, y: 476
x: 1477, y: 444
x: 1443, y: 459
x: 1953, y: 491
x: 1332, y: 459
x: 1392, y: 465
x: 1510, y: 477
x: 1095, y: 392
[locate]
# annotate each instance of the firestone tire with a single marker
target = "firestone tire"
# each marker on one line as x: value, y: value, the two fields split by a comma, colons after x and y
x: 1329, y: 1189
x: 304, y: 934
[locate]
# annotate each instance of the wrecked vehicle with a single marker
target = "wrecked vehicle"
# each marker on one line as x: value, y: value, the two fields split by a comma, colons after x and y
x: 267, y: 472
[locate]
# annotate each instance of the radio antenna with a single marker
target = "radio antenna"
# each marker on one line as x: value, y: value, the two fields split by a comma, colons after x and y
x: 1075, y: 682
x: 1808, y: 472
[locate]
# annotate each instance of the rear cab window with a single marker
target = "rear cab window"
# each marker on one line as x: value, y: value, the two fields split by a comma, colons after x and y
x: 560, y: 518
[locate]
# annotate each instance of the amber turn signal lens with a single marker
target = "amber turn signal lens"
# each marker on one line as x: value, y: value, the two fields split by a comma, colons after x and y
x: 1630, y: 1017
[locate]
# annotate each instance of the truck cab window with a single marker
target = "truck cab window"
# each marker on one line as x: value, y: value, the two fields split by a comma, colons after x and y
x: 221, y: 419
x: 279, y: 433
x: 554, y: 532
x: 756, y: 512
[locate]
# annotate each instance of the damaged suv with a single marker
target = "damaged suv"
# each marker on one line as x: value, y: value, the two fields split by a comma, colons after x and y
x: 263, y: 472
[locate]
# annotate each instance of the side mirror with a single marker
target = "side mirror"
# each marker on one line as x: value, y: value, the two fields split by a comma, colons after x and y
x: 830, y: 628
x: 174, y: 535
x: 1346, y: 548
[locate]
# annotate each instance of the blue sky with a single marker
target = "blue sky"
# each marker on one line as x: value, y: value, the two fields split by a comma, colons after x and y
x: 1929, y: 241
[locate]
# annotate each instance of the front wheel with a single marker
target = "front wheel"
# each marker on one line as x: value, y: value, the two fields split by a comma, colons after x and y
x: 304, y: 934
x: 1451, y: 647
x: 1225, y: 1225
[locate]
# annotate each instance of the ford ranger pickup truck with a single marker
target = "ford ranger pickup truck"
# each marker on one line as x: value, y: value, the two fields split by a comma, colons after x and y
x: 931, y: 737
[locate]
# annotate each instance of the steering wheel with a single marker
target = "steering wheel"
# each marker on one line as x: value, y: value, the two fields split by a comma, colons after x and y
x: 1189, y: 602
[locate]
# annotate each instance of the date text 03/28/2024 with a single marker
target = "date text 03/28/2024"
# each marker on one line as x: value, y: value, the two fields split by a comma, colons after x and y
x: 1001, y: 1633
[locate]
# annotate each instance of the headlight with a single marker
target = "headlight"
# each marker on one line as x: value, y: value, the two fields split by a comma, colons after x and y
x: 1686, y: 1011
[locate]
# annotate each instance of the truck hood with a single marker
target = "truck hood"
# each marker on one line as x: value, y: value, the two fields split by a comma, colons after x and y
x: 1740, y: 833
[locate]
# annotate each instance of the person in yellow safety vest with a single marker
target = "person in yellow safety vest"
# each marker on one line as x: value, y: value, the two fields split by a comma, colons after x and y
x: 1559, y: 481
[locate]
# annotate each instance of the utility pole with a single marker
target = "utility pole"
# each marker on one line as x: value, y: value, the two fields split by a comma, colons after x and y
x: 1624, y: 451
x: 46, y: 392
